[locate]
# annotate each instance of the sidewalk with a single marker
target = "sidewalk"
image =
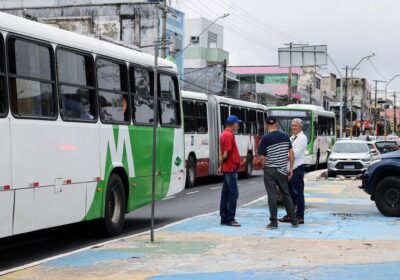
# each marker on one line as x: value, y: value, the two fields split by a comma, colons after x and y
x: 344, y: 237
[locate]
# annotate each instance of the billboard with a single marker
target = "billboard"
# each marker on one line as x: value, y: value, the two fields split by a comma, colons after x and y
x: 303, y: 56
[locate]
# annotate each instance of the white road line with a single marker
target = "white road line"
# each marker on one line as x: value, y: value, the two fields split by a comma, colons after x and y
x: 115, y: 240
x: 252, y: 182
x: 215, y: 188
x: 170, y: 197
x: 192, y: 192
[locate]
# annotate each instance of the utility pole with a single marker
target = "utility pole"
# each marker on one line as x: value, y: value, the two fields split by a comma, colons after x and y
x: 225, y: 85
x: 290, y: 76
x: 395, y: 114
x: 376, y: 106
x: 345, y: 98
x: 164, y: 9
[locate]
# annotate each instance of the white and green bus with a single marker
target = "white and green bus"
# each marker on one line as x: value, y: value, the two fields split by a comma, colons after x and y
x: 76, y: 128
x: 319, y: 127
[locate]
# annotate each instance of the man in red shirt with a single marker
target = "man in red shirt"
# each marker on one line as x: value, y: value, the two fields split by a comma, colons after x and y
x: 229, y: 164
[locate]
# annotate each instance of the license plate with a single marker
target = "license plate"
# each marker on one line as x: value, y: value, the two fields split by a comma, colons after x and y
x: 348, y: 167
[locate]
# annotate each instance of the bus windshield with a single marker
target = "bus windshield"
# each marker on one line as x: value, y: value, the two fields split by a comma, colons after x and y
x: 285, y: 124
x: 284, y: 119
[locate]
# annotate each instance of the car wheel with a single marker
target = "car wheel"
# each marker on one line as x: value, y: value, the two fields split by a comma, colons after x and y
x: 331, y: 174
x: 114, y: 216
x: 387, y: 196
x: 191, y: 173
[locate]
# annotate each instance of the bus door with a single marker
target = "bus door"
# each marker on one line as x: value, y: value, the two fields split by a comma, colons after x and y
x: 213, y: 132
x: 170, y: 154
x: 6, y: 194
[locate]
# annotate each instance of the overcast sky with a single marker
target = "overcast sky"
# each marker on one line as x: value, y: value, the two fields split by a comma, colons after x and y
x: 351, y: 29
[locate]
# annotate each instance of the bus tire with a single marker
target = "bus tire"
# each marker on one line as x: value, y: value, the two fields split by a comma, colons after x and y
x: 317, y: 161
x: 249, y: 166
x: 114, y: 213
x: 387, y: 196
x: 190, y: 173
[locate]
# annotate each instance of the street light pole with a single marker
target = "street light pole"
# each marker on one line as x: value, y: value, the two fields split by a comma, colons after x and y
x: 351, y: 91
x: 386, y: 87
x: 201, y: 33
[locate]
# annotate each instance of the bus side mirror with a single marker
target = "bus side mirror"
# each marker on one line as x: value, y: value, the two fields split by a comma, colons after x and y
x: 328, y: 151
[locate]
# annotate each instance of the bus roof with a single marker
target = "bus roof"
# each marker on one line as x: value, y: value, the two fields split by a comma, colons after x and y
x: 36, y: 30
x: 318, y: 109
x: 222, y: 99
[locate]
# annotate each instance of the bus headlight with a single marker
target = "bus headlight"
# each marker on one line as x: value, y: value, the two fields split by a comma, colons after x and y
x: 307, y: 152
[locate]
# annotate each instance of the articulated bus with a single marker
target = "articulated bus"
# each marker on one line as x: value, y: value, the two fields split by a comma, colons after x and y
x: 76, y: 127
x: 204, y: 119
x: 319, y: 127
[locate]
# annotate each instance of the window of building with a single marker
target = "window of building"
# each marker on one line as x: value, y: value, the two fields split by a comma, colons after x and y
x: 76, y: 86
x: 3, y: 94
x: 112, y: 81
x: 201, y: 117
x: 31, y: 79
x: 169, y: 101
x: 142, y: 87
x: 317, y: 83
x: 212, y: 40
x: 188, y: 112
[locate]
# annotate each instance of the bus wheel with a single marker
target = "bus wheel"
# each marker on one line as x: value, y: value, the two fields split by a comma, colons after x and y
x: 114, y: 216
x: 191, y: 173
x: 249, y: 166
x: 317, y: 161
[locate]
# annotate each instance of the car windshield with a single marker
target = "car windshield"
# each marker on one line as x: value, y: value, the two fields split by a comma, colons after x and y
x: 389, y: 144
x: 350, y: 148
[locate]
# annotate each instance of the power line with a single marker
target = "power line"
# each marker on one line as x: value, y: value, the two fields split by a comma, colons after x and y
x: 256, y: 21
x: 200, y: 87
x: 376, y: 69
x: 234, y: 29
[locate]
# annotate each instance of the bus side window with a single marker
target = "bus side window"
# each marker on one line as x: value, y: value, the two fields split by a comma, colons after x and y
x: 169, y: 101
x: 224, y: 112
x: 252, y: 119
x: 260, y: 123
x: 32, y: 82
x: 112, y: 81
x: 3, y: 94
x: 188, y: 112
x: 142, y: 93
x: 76, y: 86
x: 236, y: 111
x: 201, y: 117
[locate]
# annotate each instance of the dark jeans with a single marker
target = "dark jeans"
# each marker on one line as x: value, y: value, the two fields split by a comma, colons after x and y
x: 272, y: 179
x: 229, y: 196
x: 296, y: 189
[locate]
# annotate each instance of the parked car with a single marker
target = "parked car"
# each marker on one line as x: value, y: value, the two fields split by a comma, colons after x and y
x: 349, y: 157
x: 386, y: 146
x: 367, y: 138
x: 382, y: 182
x: 373, y: 149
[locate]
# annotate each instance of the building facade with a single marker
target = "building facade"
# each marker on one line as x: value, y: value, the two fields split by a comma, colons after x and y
x: 267, y: 84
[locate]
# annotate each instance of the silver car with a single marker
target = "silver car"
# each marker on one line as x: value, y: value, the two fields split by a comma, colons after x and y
x: 349, y: 157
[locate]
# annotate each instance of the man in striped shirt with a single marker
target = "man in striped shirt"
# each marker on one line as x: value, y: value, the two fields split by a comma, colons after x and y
x: 276, y: 150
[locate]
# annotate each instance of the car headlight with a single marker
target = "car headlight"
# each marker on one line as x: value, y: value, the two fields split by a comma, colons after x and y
x: 332, y: 159
x: 375, y: 161
x: 365, y: 159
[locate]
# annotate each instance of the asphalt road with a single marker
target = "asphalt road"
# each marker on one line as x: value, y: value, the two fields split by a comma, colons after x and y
x: 26, y: 248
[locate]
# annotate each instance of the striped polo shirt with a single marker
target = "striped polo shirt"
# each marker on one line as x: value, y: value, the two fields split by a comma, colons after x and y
x: 275, y: 147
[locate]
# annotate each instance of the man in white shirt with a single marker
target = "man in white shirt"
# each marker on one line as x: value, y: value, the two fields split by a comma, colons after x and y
x: 296, y: 184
